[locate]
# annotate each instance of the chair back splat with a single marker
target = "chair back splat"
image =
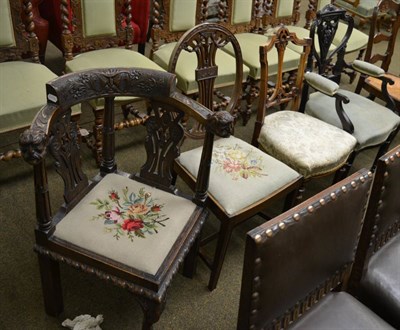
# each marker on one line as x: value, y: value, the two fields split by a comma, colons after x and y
x: 133, y: 229
x: 295, y: 263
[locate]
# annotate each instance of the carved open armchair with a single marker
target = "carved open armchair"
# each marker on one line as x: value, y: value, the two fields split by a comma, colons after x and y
x: 372, y: 124
x: 131, y: 229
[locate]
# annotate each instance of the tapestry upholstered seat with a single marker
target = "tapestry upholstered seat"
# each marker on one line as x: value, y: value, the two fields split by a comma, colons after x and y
x: 131, y: 229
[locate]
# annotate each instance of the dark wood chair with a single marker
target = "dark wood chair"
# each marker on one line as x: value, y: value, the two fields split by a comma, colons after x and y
x: 22, y: 78
x: 387, y: 87
x: 90, y: 39
x: 50, y: 10
x: 296, y: 266
x: 375, y: 277
x: 310, y: 146
x: 130, y: 229
x: 372, y: 124
x: 244, y: 180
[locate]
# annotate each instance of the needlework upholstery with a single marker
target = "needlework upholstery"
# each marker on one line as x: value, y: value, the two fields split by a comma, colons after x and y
x: 76, y: 225
x: 241, y: 174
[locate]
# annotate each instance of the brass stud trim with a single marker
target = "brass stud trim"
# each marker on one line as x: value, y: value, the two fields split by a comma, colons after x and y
x: 310, y: 209
x: 269, y: 232
x: 333, y: 196
x: 322, y: 201
x: 344, y: 189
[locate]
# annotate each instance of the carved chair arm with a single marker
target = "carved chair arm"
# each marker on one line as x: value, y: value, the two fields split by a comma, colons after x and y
x: 369, y: 69
x: 330, y: 88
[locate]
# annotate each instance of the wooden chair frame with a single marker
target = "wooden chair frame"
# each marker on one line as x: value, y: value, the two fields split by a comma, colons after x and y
x: 52, y: 132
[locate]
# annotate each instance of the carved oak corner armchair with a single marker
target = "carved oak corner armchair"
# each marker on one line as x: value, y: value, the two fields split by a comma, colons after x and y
x: 372, y: 124
x: 243, y: 180
x: 375, y: 276
x: 90, y: 39
x: 310, y: 146
x: 297, y: 265
x: 132, y: 229
x: 22, y: 82
x: 386, y: 87
x: 168, y: 28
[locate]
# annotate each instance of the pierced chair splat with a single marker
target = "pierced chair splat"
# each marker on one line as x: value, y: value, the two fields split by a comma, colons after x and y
x: 131, y: 229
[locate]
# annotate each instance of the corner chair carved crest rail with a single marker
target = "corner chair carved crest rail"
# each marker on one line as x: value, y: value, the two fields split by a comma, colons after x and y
x: 131, y: 229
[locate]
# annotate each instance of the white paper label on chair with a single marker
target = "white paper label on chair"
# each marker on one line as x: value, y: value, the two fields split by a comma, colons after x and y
x: 52, y: 98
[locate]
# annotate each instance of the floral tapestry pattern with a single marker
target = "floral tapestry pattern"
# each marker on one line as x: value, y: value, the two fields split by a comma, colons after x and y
x: 130, y: 215
x: 237, y: 162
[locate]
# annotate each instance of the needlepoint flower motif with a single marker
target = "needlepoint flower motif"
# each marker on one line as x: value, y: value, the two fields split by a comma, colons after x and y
x: 130, y: 215
x: 237, y: 162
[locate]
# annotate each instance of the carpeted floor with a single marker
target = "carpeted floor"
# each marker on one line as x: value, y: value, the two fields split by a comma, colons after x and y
x: 189, y: 304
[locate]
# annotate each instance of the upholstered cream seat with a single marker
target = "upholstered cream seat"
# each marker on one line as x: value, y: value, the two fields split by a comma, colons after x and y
x: 103, y: 213
x: 306, y: 144
x: 241, y: 174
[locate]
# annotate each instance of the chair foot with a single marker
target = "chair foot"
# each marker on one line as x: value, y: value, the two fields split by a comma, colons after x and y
x: 152, y: 311
x: 51, y: 285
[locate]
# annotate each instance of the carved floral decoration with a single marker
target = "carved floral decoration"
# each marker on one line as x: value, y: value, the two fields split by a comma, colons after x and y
x: 130, y: 215
x: 237, y: 162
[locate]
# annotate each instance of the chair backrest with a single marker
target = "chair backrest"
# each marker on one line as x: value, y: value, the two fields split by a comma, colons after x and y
x: 283, y: 90
x: 53, y: 131
x: 172, y: 18
x: 17, y: 37
x: 278, y: 12
x: 391, y: 8
x: 240, y: 16
x: 205, y: 40
x: 382, y: 220
x: 313, y: 7
x: 295, y: 259
x: 330, y: 62
x: 95, y: 25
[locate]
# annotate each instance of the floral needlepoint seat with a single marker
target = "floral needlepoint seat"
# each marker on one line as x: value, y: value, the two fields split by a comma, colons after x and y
x: 133, y: 229
x: 126, y: 219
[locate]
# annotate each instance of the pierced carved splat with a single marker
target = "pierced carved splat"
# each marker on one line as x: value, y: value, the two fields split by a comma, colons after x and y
x: 64, y: 146
x: 162, y: 144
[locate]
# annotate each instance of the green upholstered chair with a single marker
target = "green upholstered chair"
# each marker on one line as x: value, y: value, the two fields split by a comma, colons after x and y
x: 243, y: 180
x: 130, y: 229
x: 22, y: 82
x: 372, y: 124
x: 383, y: 89
x: 170, y: 24
x: 297, y: 265
x: 308, y: 145
x: 99, y: 28
x: 242, y: 17
x: 375, y: 276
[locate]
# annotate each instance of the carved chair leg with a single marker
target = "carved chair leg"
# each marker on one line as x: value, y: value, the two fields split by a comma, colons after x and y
x: 384, y: 147
x: 152, y: 311
x: 224, y: 237
x: 190, y: 263
x: 293, y: 198
x: 250, y: 93
x: 51, y: 285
